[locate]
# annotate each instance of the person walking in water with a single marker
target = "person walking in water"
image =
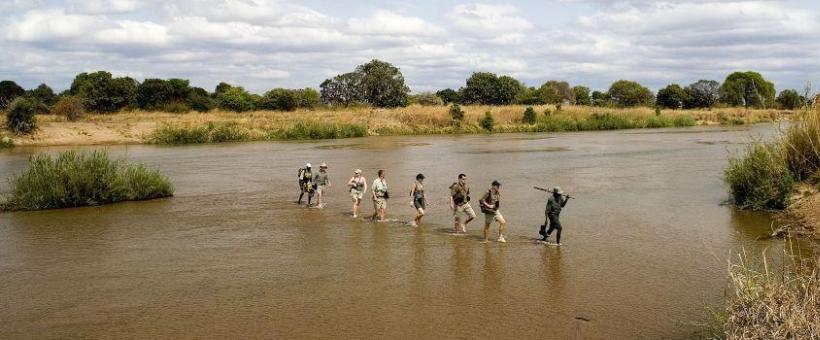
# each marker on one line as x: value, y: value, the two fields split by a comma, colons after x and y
x: 322, y: 182
x: 555, y: 204
x: 357, y: 186
x: 305, y: 183
x: 417, y: 200
x: 459, y: 204
x: 380, y: 197
x: 490, y: 204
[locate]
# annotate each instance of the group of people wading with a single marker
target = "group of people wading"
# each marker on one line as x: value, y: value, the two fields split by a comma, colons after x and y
x: 315, y: 184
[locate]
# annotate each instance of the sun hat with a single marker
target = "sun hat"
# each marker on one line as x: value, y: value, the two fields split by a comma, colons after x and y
x: 323, y: 165
x: 358, y: 171
x: 558, y: 190
x: 307, y: 165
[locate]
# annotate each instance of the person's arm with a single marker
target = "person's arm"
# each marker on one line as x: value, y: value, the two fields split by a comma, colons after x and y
x: 351, y: 183
x: 365, y: 185
x: 452, y: 203
x: 484, y: 201
x: 564, y: 201
x: 412, y: 193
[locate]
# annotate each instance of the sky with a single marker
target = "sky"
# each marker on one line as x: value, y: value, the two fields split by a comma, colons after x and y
x: 264, y: 44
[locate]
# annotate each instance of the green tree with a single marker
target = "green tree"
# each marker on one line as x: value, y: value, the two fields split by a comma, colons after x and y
x: 103, y: 93
x: 279, y: 99
x: 528, y: 96
x: 427, y: 99
x: 581, y: 94
x: 508, y: 88
x: 200, y: 100
x: 554, y: 92
x: 307, y: 98
x: 235, y: 99
x: 672, y: 96
x: 449, y: 96
x: 153, y: 94
x: 626, y: 93
x: 790, y: 99
x: 747, y: 89
x: 343, y: 89
x: 221, y: 88
x: 599, y: 98
x: 382, y: 84
x: 20, y: 116
x: 9, y: 90
x: 43, y: 94
x: 702, y: 94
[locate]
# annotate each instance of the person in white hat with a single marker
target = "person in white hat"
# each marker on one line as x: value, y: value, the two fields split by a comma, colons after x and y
x: 357, y: 186
x: 555, y: 204
x: 305, y: 183
x: 322, y: 182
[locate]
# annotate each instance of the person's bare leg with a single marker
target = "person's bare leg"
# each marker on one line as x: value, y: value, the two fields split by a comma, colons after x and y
x: 502, y: 228
x: 356, y: 208
x: 486, y: 231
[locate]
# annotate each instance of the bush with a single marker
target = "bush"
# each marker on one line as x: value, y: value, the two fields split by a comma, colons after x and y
x: 790, y: 100
x: 529, y: 116
x: 176, y: 107
x: 235, y: 99
x: 307, y: 98
x: 487, y: 122
x: 449, y: 96
x: 168, y: 134
x: 199, y: 100
x: 759, y: 179
x: 547, y: 112
x: 6, y: 143
x: 456, y: 114
x: 427, y: 99
x: 684, y: 120
x: 606, y: 121
x: 69, y: 107
x: 20, y: 116
x: 78, y: 179
x: 280, y: 100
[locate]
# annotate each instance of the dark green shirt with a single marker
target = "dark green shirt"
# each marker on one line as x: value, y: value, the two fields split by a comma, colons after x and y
x: 554, y: 205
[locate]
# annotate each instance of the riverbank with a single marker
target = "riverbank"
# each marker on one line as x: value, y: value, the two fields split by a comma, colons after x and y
x: 140, y: 127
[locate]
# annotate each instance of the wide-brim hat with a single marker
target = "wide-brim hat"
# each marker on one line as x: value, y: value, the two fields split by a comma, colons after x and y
x: 357, y: 171
x: 323, y: 165
x: 307, y: 165
x: 558, y: 190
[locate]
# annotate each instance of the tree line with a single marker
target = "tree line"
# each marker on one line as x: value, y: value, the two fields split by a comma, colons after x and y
x: 378, y: 84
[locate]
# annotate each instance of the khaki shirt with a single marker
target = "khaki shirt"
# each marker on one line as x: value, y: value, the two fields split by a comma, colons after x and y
x: 457, y: 190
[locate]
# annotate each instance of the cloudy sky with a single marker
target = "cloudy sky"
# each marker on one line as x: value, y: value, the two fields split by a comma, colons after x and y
x: 262, y: 44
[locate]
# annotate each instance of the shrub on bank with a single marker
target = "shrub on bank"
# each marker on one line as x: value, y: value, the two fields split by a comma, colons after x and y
x: 6, y: 143
x: 529, y: 115
x: 487, y: 122
x: 801, y: 144
x: 74, y: 179
x: 319, y: 130
x: 759, y: 179
x: 20, y: 116
x: 70, y: 107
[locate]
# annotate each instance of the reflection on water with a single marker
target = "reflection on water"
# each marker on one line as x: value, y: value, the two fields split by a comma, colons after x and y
x: 230, y: 255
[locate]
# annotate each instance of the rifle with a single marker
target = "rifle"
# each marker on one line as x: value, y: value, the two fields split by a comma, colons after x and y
x: 550, y: 191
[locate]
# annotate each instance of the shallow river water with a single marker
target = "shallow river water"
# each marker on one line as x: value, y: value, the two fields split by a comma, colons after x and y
x: 231, y: 255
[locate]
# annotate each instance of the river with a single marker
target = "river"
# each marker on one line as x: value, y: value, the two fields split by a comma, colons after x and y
x: 231, y: 255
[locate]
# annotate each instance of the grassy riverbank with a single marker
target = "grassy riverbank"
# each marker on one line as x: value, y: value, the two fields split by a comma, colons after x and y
x: 79, y: 179
x: 769, y: 303
x: 221, y: 126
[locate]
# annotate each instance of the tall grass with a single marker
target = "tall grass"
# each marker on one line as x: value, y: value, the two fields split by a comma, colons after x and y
x: 319, y: 130
x: 74, y: 179
x: 767, y: 304
x: 211, y: 132
x: 764, y: 176
x: 759, y: 178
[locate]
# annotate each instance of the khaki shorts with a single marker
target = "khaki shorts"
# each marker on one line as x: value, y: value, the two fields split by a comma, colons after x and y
x: 464, y: 209
x: 320, y: 189
x: 490, y: 218
x: 356, y: 194
x: 380, y: 203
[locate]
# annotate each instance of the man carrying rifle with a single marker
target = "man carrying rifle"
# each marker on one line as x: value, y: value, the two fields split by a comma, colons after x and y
x: 555, y: 204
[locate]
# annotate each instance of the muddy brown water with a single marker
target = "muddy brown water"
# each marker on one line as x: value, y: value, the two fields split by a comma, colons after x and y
x: 231, y: 255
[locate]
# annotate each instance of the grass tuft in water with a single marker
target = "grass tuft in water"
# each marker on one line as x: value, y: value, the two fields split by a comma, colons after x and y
x: 759, y: 178
x: 6, y: 143
x: 74, y: 179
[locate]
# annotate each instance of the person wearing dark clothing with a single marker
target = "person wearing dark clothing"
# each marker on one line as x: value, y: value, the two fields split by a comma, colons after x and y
x: 555, y: 204
x: 305, y: 183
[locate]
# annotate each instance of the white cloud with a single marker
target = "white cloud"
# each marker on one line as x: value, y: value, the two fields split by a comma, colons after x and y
x: 499, y: 23
x: 50, y: 25
x: 103, y: 6
x: 383, y: 22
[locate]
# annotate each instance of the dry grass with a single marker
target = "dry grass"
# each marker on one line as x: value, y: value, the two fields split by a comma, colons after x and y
x: 137, y: 126
x: 766, y: 304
